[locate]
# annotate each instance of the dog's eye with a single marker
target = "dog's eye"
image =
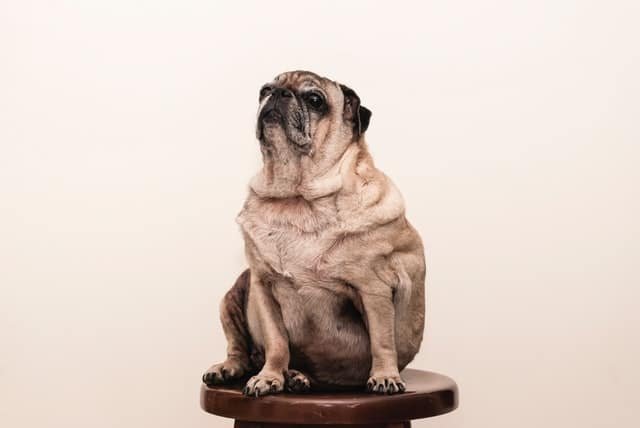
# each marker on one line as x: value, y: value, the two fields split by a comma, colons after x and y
x: 315, y: 100
x: 265, y: 91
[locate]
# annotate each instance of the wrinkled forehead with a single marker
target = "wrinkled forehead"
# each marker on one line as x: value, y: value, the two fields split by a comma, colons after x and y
x: 301, y: 80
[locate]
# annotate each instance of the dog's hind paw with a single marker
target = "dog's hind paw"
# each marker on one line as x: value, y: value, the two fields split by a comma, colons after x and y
x: 297, y: 382
x: 222, y: 373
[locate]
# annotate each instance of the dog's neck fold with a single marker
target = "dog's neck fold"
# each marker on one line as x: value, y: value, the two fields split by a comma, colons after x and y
x: 290, y: 175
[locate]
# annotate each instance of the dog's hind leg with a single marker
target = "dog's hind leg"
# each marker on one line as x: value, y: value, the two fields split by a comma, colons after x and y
x: 234, y: 323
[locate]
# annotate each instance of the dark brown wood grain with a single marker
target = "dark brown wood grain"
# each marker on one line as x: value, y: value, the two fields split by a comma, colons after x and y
x: 428, y: 394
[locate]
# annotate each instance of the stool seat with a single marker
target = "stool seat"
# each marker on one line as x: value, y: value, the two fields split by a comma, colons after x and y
x: 427, y: 394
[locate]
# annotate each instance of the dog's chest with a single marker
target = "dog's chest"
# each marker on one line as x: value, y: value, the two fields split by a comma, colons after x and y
x: 288, y: 251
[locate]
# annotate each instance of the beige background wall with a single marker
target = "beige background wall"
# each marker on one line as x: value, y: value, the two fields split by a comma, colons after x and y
x: 126, y: 142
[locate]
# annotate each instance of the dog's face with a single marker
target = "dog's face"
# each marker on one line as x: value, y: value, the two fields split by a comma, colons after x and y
x: 307, y: 113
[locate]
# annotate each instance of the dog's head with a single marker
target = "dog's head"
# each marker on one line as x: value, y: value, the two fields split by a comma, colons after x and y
x: 309, y: 114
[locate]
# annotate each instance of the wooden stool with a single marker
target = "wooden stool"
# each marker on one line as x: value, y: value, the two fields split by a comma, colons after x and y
x: 428, y: 394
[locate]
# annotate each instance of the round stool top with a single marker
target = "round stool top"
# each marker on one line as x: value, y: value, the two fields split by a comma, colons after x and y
x: 428, y: 394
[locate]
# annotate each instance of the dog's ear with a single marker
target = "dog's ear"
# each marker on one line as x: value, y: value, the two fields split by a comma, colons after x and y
x: 355, y: 113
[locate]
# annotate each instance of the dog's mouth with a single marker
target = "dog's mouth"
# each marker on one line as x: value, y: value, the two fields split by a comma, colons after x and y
x: 271, y: 116
x: 268, y: 117
x: 293, y: 128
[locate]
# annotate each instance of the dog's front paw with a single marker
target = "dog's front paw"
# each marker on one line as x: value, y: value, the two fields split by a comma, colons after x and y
x: 224, y: 372
x: 264, y: 383
x: 386, y: 384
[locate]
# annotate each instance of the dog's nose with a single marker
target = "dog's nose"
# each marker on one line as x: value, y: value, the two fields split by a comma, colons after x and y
x: 284, y: 93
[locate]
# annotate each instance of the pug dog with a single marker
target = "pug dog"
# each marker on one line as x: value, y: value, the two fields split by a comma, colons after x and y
x: 334, y: 295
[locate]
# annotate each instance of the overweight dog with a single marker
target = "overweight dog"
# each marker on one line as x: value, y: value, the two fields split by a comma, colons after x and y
x: 334, y: 294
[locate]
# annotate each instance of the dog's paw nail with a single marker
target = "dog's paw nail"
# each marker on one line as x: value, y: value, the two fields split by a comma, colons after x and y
x: 209, y: 378
x: 385, y: 384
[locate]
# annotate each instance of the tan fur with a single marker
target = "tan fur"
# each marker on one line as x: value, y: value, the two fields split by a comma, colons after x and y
x: 337, y: 273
